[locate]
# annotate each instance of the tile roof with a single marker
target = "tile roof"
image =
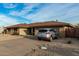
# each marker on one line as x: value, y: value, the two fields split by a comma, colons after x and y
x: 18, y: 25
x: 41, y: 24
x: 49, y: 23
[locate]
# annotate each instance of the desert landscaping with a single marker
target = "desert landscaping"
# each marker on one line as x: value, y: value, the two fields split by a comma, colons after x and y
x: 15, y: 45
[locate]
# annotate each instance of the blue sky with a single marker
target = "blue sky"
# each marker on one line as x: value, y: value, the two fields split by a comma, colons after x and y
x: 16, y: 13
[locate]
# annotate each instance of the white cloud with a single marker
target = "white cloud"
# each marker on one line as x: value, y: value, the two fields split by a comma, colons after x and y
x: 9, y: 5
x: 25, y: 10
x: 52, y: 12
x: 49, y: 13
x: 15, y: 13
x: 42, y: 15
x: 73, y: 12
x: 7, y: 20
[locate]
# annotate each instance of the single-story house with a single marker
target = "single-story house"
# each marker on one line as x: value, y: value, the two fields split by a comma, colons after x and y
x: 32, y: 29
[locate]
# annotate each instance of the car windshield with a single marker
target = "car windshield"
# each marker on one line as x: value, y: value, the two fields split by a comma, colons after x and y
x: 52, y: 30
x: 42, y: 30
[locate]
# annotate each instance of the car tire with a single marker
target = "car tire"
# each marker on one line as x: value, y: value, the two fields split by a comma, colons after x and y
x: 55, y: 38
x: 51, y: 39
x: 39, y: 38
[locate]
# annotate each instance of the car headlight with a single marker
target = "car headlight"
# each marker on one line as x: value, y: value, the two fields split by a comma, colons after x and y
x: 48, y: 35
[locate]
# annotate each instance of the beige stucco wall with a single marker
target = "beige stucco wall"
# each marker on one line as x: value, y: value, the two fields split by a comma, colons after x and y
x: 62, y: 31
x: 22, y: 31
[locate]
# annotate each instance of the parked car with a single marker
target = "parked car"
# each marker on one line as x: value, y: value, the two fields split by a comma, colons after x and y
x: 47, y: 34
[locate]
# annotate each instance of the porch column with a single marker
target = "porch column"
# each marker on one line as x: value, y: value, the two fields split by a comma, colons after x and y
x: 36, y: 31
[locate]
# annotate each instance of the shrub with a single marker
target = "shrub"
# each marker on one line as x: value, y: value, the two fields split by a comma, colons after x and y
x: 69, y: 42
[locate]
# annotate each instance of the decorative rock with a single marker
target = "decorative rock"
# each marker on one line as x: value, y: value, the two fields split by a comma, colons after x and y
x: 43, y: 47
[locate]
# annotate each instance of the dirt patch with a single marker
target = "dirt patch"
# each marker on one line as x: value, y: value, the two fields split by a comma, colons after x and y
x: 21, y: 46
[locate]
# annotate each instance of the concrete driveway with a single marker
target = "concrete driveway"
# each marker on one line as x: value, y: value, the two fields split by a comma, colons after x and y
x: 20, y: 46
